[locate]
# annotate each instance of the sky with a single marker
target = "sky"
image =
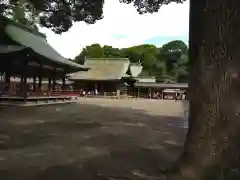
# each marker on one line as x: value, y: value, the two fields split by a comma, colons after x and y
x: 122, y: 26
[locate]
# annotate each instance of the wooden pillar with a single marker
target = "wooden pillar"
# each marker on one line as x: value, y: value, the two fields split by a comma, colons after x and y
x: 54, y: 85
x: 118, y: 93
x: 150, y: 93
x: 25, y: 87
x: 23, y: 76
x: 34, y: 83
x: 100, y: 89
x: 96, y: 92
x: 7, y: 76
x: 63, y: 83
x: 49, y: 85
x: 54, y: 81
x: 138, y: 92
x: 21, y: 83
x: 40, y: 83
x: 40, y: 74
x: 105, y: 88
x: 7, y: 80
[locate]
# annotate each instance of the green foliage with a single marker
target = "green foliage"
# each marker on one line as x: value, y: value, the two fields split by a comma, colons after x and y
x: 168, y: 62
x: 149, y: 6
x: 110, y: 52
x: 92, y: 51
x: 175, y: 46
x: 22, y: 12
x: 59, y: 15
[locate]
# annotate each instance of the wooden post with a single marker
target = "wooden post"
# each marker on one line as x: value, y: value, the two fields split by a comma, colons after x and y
x: 23, y: 85
x: 34, y: 83
x: 63, y: 83
x: 54, y: 84
x: 40, y: 83
x: 49, y: 85
x: 150, y: 93
x: 40, y: 78
x: 118, y: 93
x: 7, y: 80
x: 96, y: 89
x: 54, y: 81
x: 25, y: 88
x: 138, y: 92
x: 7, y: 76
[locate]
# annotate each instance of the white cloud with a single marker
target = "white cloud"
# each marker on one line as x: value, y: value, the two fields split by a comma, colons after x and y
x: 122, y: 20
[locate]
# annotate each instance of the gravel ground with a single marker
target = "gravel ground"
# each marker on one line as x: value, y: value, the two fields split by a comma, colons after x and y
x: 91, y: 139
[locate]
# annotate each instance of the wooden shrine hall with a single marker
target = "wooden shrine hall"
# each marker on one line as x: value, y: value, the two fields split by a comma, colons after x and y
x: 26, y: 54
x: 161, y: 90
x: 107, y: 77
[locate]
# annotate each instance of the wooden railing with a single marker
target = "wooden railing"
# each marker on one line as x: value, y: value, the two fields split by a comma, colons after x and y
x: 42, y: 93
x: 75, y: 93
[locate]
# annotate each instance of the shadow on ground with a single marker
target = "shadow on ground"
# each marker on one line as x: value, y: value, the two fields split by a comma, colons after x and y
x: 77, y: 141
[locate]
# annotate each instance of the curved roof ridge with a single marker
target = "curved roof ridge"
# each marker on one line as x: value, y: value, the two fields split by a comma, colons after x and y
x: 37, y: 44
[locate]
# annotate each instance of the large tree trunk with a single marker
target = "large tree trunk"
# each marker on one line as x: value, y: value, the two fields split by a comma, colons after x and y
x: 212, y: 147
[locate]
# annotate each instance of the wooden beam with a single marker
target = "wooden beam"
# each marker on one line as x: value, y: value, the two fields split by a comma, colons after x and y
x: 36, y: 64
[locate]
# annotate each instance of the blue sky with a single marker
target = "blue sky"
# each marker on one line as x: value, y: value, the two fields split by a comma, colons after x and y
x: 118, y: 36
x: 160, y: 40
x: 122, y: 26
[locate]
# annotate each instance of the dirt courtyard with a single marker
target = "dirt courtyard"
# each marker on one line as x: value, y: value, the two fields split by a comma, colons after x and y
x: 90, y: 140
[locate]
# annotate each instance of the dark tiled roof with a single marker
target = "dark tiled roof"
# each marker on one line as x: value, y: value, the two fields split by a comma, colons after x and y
x: 37, y: 42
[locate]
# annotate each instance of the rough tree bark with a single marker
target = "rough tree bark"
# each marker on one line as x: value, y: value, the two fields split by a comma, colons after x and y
x: 212, y: 147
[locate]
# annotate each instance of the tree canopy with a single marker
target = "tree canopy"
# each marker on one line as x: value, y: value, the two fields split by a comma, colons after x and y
x: 167, y: 62
x: 59, y: 15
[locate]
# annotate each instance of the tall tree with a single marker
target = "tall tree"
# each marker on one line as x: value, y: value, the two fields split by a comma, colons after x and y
x: 175, y: 46
x: 92, y: 51
x: 95, y: 51
x: 110, y: 52
x: 211, y: 149
x: 175, y: 55
x: 132, y: 53
x: 182, y: 71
